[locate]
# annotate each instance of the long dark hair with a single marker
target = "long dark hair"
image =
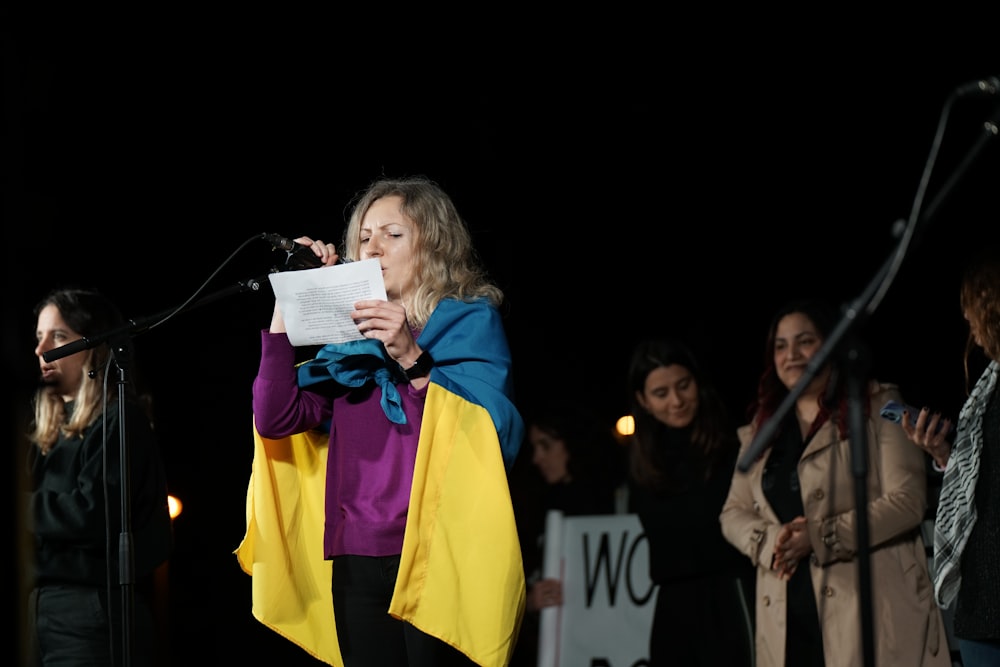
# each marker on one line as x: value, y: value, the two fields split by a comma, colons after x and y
x: 712, y: 438
x: 771, y: 391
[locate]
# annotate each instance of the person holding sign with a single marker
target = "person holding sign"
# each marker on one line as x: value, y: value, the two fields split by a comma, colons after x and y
x: 681, y: 460
x: 575, y: 469
x: 403, y: 439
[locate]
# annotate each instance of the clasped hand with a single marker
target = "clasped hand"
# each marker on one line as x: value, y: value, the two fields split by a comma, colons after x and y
x: 791, y: 546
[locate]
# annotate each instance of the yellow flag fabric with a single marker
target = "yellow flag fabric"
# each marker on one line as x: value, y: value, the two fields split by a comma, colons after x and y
x: 283, y: 546
x: 461, y: 577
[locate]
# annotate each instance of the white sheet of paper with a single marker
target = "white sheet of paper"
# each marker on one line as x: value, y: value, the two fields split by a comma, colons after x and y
x: 317, y: 303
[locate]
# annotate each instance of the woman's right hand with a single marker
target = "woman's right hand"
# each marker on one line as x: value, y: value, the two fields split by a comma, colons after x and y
x: 327, y: 254
x: 929, y: 434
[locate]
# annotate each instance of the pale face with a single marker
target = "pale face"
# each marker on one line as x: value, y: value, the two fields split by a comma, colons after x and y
x: 389, y: 236
x: 62, y: 375
x: 549, y: 455
x: 796, y: 342
x: 670, y: 395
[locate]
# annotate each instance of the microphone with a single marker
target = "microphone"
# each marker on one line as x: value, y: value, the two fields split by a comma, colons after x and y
x: 988, y: 87
x: 299, y: 256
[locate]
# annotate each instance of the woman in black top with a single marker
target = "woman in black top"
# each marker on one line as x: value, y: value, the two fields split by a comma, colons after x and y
x: 681, y: 461
x: 74, y: 516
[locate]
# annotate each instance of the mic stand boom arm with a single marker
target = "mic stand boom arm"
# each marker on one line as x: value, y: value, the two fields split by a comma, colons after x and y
x: 142, y: 324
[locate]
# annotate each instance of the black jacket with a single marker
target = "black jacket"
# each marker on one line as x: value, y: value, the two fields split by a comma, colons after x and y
x: 74, y: 507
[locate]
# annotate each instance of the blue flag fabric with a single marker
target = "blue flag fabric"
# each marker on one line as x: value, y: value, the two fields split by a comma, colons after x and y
x: 352, y: 364
x: 471, y: 359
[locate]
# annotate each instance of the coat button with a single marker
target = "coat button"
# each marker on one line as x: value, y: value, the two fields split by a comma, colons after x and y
x: 818, y: 494
x: 827, y: 592
x: 767, y: 600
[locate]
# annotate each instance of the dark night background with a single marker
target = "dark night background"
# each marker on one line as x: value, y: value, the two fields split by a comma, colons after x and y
x: 613, y: 193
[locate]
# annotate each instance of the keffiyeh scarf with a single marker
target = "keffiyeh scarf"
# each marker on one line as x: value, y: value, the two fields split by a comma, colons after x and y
x: 956, y: 513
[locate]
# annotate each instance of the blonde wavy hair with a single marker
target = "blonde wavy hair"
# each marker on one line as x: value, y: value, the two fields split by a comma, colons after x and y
x: 446, y: 263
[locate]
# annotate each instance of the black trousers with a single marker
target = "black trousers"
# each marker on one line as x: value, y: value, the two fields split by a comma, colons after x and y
x: 77, y: 626
x: 368, y: 635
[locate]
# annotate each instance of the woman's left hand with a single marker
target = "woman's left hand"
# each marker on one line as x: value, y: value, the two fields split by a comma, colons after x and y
x: 929, y: 433
x: 386, y: 321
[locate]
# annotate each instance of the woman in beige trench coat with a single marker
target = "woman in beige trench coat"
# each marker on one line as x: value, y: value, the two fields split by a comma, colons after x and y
x: 793, y: 514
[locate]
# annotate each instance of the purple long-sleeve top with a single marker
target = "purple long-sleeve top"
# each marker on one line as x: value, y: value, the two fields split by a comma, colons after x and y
x: 370, y: 459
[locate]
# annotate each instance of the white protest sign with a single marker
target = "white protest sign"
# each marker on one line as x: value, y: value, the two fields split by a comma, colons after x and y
x: 608, y: 597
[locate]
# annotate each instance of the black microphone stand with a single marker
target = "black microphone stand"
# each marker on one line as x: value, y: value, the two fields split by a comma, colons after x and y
x: 117, y: 340
x: 126, y: 550
x: 857, y: 368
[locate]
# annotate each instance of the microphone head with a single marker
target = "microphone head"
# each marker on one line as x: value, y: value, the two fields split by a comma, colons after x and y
x: 986, y: 87
x: 280, y: 242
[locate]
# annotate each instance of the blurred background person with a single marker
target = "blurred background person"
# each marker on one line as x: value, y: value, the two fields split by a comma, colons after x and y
x: 967, y: 521
x: 793, y: 514
x: 74, y: 493
x: 572, y: 464
x: 682, y: 456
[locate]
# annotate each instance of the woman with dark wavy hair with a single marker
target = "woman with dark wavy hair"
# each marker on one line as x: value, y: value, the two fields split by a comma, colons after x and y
x: 793, y: 514
x: 967, y: 522
x: 682, y: 457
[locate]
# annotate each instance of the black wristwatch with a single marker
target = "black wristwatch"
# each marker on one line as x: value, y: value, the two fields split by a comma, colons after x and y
x: 420, y: 368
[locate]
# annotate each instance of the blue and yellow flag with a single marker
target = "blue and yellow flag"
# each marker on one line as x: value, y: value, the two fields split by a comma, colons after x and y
x: 461, y: 577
